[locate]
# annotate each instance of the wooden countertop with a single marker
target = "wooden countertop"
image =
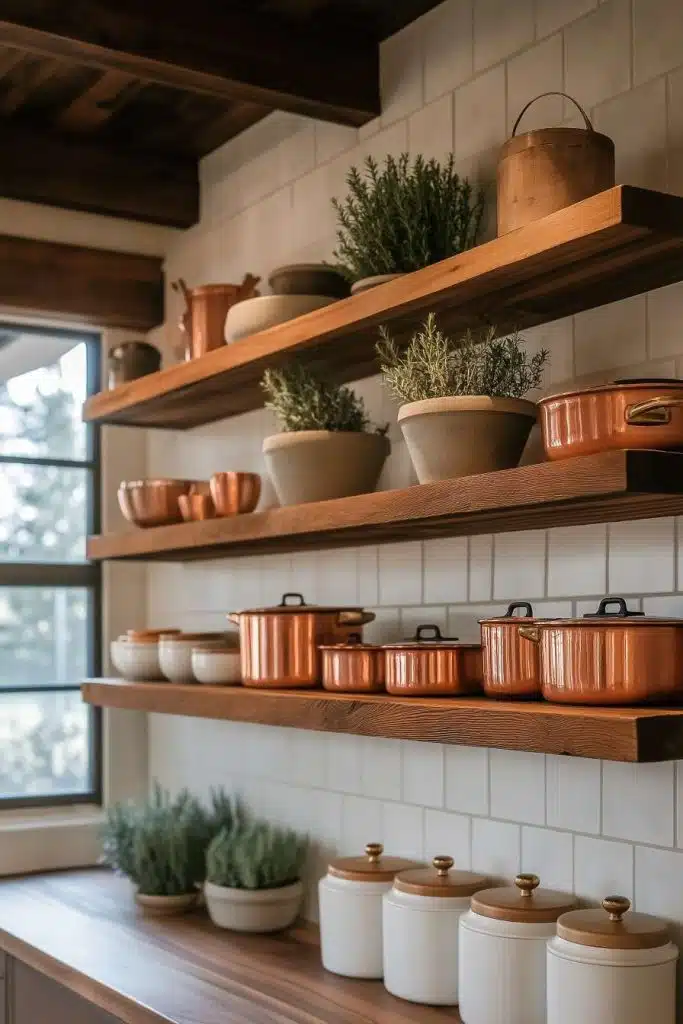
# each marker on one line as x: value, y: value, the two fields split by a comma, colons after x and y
x: 82, y: 929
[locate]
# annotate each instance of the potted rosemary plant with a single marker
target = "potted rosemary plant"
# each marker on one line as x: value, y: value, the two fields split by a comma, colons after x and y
x: 327, y: 448
x: 463, y: 408
x: 403, y: 217
x: 253, y: 877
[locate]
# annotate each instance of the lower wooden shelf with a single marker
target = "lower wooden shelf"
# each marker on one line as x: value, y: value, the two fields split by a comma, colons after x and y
x: 615, y: 734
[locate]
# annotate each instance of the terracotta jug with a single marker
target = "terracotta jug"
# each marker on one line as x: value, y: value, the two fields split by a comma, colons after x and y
x: 203, y: 322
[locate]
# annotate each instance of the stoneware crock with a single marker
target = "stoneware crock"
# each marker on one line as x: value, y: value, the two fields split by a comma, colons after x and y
x: 510, y: 663
x: 431, y: 665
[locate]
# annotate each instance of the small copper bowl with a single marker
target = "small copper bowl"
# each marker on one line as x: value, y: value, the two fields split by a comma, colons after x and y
x: 352, y: 667
x: 194, y: 507
x: 235, y: 493
x: 149, y: 503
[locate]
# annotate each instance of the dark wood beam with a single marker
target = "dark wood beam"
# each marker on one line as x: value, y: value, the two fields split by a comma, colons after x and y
x: 208, y: 48
x: 89, y: 286
x: 74, y: 173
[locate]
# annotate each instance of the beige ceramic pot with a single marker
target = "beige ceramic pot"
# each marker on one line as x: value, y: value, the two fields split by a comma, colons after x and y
x: 166, y: 906
x: 366, y: 283
x: 459, y: 436
x: 316, y: 465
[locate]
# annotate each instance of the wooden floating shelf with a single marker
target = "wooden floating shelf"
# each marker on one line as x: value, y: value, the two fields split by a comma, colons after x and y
x: 612, y: 486
x: 621, y: 242
x: 616, y: 734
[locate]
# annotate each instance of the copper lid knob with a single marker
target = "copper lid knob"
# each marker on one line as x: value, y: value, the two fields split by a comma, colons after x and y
x: 527, y: 884
x: 616, y: 907
x: 443, y: 865
x: 374, y: 851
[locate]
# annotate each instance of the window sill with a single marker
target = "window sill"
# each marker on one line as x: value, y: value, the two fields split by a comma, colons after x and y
x: 49, y: 838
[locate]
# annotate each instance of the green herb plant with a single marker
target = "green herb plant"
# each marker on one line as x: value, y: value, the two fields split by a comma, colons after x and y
x: 259, y: 856
x: 302, y: 401
x: 434, y: 365
x: 404, y: 216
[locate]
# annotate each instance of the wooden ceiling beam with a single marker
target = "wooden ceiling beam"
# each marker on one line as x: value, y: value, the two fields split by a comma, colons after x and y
x: 98, y: 103
x: 77, y: 174
x: 206, y: 48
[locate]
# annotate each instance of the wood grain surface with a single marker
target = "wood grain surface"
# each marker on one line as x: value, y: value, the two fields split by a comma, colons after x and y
x: 615, y: 734
x: 612, y: 486
x: 621, y: 242
x: 81, y: 929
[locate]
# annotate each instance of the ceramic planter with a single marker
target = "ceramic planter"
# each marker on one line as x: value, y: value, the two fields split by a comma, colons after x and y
x: 366, y: 283
x: 253, y: 910
x: 316, y: 465
x: 459, y: 436
x: 166, y: 906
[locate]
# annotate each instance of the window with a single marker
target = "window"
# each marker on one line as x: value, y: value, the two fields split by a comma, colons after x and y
x: 49, y: 593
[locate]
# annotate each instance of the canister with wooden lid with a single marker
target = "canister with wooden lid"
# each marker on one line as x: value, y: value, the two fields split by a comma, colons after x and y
x: 610, y: 966
x: 421, y: 914
x: 502, y: 954
x: 350, y: 897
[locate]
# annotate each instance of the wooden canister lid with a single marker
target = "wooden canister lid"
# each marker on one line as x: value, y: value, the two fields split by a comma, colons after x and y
x: 373, y: 867
x: 439, y: 880
x: 523, y: 902
x: 609, y: 929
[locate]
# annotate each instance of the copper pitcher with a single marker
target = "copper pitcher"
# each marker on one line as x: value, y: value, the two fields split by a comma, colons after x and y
x: 203, y: 322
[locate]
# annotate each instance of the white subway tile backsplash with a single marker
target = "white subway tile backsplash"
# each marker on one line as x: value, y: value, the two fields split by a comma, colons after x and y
x: 636, y: 122
x: 368, y: 576
x: 500, y: 29
x: 610, y: 336
x: 449, y: 834
x: 517, y: 786
x: 361, y: 823
x: 553, y: 14
x: 467, y: 779
x: 480, y: 113
x: 577, y: 560
x: 519, y: 565
x: 638, y: 802
x: 573, y: 793
x: 658, y: 883
x: 445, y: 570
x: 657, y: 38
x: 481, y: 567
x: 381, y: 767
x: 401, y: 78
x: 403, y: 830
x: 641, y: 556
x: 496, y: 849
x: 549, y: 854
x: 343, y: 770
x: 664, y: 312
x: 448, y: 45
x: 606, y: 32
x: 400, y: 573
x: 602, y: 867
x: 531, y: 73
x: 430, y: 130
x: 423, y: 773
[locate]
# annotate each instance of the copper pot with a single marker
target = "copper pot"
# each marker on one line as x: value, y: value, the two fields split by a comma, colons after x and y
x: 635, y: 413
x: 609, y: 657
x: 431, y: 665
x: 280, y: 646
x: 235, y: 493
x: 206, y: 307
x: 353, y: 667
x: 510, y: 663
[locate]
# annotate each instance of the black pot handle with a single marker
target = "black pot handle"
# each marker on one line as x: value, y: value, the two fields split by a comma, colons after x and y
x: 622, y: 610
x: 517, y: 606
x: 664, y: 381
x: 286, y: 603
x: 353, y: 639
x: 431, y: 628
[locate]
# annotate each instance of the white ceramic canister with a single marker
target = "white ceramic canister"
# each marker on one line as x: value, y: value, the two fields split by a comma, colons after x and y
x: 421, y: 916
x: 502, y: 954
x: 350, y: 898
x: 607, y: 968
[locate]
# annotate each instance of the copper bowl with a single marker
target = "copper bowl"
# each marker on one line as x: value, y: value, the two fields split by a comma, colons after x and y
x: 149, y: 503
x: 235, y: 493
x: 194, y: 507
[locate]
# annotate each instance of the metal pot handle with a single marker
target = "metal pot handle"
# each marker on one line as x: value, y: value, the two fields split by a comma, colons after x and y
x: 286, y: 603
x: 233, y: 617
x: 622, y: 610
x: 355, y: 618
x: 515, y: 606
x: 654, y: 412
x: 532, y: 633
x: 584, y: 115
x: 430, y: 633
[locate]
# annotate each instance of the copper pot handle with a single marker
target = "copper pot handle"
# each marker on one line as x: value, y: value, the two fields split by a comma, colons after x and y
x: 584, y: 115
x: 355, y: 618
x: 234, y: 617
x: 641, y: 414
x: 532, y: 633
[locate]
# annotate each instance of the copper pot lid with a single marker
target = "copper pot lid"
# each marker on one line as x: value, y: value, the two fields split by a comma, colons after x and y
x: 613, y: 927
x: 621, y: 615
x: 354, y: 642
x: 621, y: 384
x: 439, y: 880
x: 373, y: 867
x: 296, y: 607
x: 515, y: 606
x: 426, y: 637
x: 523, y: 902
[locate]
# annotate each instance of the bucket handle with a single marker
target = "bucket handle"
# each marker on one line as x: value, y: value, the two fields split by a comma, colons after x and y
x: 584, y: 115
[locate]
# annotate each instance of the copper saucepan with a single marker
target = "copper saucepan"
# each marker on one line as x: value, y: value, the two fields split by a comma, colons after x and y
x: 633, y: 413
x: 431, y: 665
x: 510, y: 663
x: 279, y: 645
x: 352, y: 666
x: 609, y: 657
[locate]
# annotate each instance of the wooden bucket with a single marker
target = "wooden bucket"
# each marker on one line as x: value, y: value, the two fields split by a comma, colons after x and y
x: 543, y: 171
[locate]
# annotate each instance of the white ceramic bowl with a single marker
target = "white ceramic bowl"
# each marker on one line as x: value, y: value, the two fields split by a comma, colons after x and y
x: 136, y: 662
x: 219, y: 666
x: 175, y: 654
x: 253, y: 315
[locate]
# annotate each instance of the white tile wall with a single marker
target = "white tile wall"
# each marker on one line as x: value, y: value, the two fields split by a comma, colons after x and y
x: 456, y: 77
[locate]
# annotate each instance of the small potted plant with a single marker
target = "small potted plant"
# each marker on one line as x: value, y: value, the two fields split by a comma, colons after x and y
x: 463, y: 410
x: 327, y: 448
x: 253, y: 877
x: 403, y: 218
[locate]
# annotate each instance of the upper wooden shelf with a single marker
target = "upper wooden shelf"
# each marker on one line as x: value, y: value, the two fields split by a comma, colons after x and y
x: 621, y: 242
x: 613, y: 486
x: 615, y: 734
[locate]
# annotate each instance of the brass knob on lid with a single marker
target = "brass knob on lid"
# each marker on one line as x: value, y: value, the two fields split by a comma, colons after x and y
x: 374, y: 851
x: 443, y: 865
x: 527, y: 884
x: 616, y: 907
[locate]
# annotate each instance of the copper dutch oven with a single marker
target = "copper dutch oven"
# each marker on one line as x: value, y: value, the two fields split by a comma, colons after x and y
x: 510, y: 663
x: 353, y: 667
x: 636, y: 413
x: 279, y: 646
x: 609, y: 657
x: 431, y: 665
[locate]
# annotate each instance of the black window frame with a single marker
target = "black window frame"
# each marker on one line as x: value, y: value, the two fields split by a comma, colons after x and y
x: 84, y: 575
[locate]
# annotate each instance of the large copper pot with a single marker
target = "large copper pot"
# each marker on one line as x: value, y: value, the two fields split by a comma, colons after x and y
x: 609, y: 657
x: 510, y: 663
x: 353, y: 667
x: 431, y: 665
x: 635, y: 413
x: 280, y: 646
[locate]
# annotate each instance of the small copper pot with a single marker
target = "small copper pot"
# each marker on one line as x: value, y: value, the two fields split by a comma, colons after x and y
x: 431, y: 665
x: 353, y: 667
x: 637, y: 413
x: 195, y: 507
x: 510, y: 663
x: 235, y: 493
x: 609, y: 657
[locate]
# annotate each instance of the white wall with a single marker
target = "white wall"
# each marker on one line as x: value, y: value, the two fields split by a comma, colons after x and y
x: 453, y: 80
